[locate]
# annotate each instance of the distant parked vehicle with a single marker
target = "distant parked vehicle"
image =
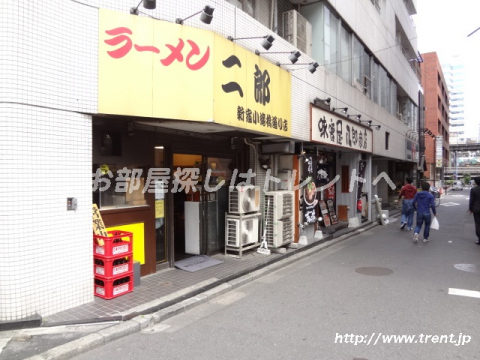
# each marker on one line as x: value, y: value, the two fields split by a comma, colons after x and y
x: 457, y: 185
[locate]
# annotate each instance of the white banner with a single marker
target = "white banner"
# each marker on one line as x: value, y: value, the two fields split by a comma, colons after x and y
x: 328, y: 128
x: 439, y: 151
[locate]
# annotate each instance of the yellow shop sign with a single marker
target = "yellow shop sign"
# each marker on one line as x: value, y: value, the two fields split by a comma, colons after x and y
x: 157, y: 69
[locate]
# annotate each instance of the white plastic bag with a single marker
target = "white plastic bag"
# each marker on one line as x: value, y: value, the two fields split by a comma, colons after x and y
x: 434, y: 225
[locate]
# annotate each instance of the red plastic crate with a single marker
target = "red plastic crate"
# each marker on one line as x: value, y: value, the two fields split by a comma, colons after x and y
x: 109, y: 267
x: 107, y: 288
x: 117, y: 243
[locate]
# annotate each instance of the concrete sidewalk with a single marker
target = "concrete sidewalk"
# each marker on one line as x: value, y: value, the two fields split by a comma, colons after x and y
x: 149, y: 313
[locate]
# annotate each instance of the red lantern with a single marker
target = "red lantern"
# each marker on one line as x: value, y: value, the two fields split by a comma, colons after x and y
x: 359, y: 205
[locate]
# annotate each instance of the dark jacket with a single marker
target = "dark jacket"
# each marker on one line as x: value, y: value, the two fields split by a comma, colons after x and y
x: 423, y: 201
x: 474, y: 203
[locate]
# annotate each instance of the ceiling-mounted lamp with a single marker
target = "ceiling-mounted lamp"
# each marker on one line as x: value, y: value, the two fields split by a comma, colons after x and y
x: 267, y: 41
x: 147, y: 4
x: 344, y: 109
x: 206, y: 16
x: 293, y: 57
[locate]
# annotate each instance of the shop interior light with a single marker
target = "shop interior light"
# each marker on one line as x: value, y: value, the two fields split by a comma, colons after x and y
x: 147, y: 4
x: 267, y: 41
x: 293, y: 57
x: 159, y: 147
x: 206, y: 16
x: 344, y: 109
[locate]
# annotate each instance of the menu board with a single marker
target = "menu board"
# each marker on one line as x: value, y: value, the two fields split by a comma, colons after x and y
x: 331, y: 211
x: 325, y: 214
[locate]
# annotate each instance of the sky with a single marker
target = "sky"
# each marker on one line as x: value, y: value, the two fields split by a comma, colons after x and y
x: 443, y: 27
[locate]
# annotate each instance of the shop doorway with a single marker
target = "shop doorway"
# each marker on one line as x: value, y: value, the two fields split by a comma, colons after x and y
x: 200, y: 204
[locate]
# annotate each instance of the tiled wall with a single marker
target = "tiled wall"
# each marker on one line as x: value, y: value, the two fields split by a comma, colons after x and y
x: 47, y: 82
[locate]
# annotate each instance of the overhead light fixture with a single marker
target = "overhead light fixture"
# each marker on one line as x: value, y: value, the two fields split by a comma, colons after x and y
x: 206, y: 16
x: 147, y: 4
x: 376, y: 126
x: 322, y: 102
x: 356, y: 116
x: 266, y: 42
x: 344, y: 109
x: 312, y: 67
x: 264, y: 163
x: 159, y: 147
x: 368, y: 122
x: 293, y: 57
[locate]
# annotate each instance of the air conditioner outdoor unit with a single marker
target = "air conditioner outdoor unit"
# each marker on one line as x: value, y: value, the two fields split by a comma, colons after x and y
x: 297, y: 31
x: 279, y: 204
x: 241, y: 231
x: 243, y: 199
x: 280, y: 232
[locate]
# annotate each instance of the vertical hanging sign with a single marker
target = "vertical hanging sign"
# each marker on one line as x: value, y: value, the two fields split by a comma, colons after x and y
x: 309, y: 191
x: 362, y: 164
x: 438, y: 151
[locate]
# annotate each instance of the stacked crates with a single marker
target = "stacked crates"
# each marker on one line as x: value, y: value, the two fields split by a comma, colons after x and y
x: 113, y: 264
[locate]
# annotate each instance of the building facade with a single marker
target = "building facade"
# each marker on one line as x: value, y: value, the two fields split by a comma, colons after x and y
x: 118, y: 107
x: 436, y: 130
x: 454, y: 73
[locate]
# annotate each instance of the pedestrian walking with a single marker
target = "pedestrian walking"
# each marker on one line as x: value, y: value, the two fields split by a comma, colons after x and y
x: 423, y: 202
x: 474, y: 206
x: 407, y: 192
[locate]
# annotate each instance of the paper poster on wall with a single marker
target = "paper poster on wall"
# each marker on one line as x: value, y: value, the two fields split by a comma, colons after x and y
x: 159, y: 209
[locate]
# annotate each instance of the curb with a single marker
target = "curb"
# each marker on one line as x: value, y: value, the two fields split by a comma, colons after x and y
x: 136, y: 322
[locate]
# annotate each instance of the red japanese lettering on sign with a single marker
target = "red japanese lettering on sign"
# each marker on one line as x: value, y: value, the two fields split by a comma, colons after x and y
x: 196, y: 51
x: 175, y: 51
x: 117, y: 32
x: 147, y: 48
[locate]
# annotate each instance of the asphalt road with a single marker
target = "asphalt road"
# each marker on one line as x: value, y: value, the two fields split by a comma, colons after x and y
x: 324, y: 307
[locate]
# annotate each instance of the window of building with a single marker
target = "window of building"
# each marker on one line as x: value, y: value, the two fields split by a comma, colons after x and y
x: 387, y: 140
x: 345, y: 55
x: 376, y: 83
x: 384, y: 88
x: 331, y: 24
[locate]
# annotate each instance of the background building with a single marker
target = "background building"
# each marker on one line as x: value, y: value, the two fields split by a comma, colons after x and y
x: 437, y: 153
x: 454, y: 73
